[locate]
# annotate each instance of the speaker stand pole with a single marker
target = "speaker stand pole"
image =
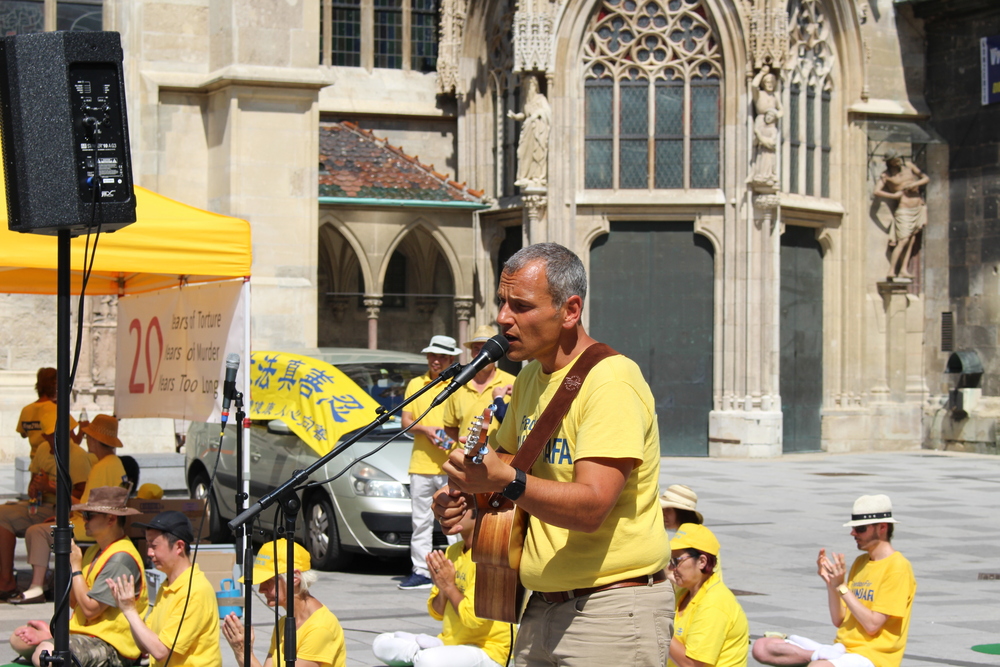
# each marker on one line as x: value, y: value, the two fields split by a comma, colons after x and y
x: 63, y: 532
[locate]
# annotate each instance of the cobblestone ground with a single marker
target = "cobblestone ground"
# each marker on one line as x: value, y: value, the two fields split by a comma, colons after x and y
x: 771, y: 517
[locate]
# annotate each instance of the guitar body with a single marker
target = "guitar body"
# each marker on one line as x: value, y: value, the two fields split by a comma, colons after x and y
x: 498, y: 540
x: 496, y: 551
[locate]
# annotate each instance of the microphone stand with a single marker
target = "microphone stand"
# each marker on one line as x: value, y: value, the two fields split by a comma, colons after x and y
x: 287, y: 496
x: 244, y: 549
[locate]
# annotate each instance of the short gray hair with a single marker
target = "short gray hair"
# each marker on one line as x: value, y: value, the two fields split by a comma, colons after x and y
x: 563, y: 270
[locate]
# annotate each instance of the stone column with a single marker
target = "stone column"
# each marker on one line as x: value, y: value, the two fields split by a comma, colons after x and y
x: 373, y: 305
x: 896, y: 420
x: 463, y: 310
x: 535, y: 215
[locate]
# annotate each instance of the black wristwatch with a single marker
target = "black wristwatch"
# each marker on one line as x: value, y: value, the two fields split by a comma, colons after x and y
x: 514, y: 490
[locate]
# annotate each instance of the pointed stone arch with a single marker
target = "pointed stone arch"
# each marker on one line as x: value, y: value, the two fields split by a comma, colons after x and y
x: 431, y: 230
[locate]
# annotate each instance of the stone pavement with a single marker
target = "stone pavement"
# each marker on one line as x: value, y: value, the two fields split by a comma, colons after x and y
x: 771, y: 517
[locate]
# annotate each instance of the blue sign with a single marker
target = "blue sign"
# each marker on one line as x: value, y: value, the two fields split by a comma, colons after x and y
x: 989, y: 53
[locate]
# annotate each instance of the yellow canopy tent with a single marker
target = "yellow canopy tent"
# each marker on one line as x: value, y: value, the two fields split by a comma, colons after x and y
x: 170, y: 242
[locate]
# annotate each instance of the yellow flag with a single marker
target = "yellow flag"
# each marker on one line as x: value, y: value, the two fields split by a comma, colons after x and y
x: 318, y: 402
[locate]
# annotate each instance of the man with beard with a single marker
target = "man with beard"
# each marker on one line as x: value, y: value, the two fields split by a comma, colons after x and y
x: 871, y: 611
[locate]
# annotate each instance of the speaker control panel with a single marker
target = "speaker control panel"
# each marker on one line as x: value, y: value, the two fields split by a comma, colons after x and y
x: 98, y: 122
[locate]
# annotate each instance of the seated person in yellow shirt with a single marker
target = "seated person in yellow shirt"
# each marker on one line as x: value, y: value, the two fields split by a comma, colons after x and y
x: 319, y: 639
x: 107, y: 470
x: 183, y: 628
x: 99, y: 634
x: 17, y: 517
x: 465, y: 640
x: 710, y: 628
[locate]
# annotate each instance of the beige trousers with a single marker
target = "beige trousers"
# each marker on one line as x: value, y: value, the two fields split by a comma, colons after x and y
x: 622, y: 626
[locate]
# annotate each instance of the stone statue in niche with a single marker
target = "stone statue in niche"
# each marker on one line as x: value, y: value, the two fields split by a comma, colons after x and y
x: 533, y: 144
x: 764, y: 173
x: 767, y: 107
x: 900, y: 183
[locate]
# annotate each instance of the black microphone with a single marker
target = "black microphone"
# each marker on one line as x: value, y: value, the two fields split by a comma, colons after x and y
x: 229, y: 388
x: 492, y: 350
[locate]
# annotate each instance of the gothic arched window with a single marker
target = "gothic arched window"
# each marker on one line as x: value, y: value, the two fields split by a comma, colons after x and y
x: 809, y: 93
x: 652, y: 74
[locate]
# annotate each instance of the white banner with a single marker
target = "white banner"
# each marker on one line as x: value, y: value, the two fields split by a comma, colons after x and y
x: 172, y: 348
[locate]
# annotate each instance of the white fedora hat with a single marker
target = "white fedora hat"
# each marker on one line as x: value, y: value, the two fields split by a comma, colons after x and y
x: 871, y: 509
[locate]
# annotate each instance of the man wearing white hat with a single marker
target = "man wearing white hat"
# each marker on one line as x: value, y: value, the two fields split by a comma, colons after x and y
x: 430, y: 451
x: 483, y: 390
x: 871, y: 611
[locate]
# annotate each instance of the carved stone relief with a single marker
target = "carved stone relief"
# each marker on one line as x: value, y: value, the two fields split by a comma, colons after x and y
x: 533, y: 26
x: 453, y: 15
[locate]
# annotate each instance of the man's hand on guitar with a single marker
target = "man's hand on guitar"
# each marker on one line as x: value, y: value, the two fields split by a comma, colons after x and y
x: 449, y: 506
x: 490, y: 476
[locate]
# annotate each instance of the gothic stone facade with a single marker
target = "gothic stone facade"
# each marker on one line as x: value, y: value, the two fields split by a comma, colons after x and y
x: 712, y: 161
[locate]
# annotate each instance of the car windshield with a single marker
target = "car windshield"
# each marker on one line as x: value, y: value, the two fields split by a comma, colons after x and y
x: 385, y: 382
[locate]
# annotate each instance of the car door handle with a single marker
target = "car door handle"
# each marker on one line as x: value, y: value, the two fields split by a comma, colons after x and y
x: 255, y: 456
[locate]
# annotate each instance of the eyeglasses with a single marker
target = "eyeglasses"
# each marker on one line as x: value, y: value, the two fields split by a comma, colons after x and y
x: 860, y: 530
x: 674, y: 562
x: 87, y: 516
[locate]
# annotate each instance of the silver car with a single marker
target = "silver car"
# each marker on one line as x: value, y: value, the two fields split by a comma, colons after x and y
x: 366, y: 510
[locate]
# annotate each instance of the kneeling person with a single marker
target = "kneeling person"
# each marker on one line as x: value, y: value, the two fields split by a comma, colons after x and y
x: 710, y: 628
x: 99, y: 631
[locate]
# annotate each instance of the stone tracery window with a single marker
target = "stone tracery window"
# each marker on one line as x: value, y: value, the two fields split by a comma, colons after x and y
x: 652, y: 75
x: 808, y: 101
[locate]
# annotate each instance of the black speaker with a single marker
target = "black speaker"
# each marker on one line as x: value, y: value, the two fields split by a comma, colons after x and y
x: 65, y: 132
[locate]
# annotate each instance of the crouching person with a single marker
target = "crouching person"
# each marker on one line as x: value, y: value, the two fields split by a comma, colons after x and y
x: 99, y: 632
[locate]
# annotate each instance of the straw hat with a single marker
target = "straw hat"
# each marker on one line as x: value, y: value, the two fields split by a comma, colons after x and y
x: 442, y: 345
x: 482, y: 334
x: 871, y: 509
x: 107, y: 500
x: 104, y: 429
x: 681, y: 497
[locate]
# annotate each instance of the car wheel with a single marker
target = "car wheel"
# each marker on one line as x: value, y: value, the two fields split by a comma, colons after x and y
x: 322, y: 538
x: 217, y: 530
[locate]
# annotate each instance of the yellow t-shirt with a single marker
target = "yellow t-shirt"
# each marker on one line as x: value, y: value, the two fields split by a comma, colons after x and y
x: 462, y: 626
x: 37, y: 420
x: 886, y: 586
x: 198, y: 643
x: 613, y: 416
x: 427, y: 458
x: 44, y: 461
x: 713, y: 627
x: 108, y: 471
x: 320, y: 639
x: 466, y: 404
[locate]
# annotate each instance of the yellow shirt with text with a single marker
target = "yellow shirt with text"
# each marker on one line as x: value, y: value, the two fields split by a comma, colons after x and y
x: 614, y: 416
x: 427, y: 458
x: 886, y: 586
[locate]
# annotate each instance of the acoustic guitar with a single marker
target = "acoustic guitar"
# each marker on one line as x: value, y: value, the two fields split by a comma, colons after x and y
x: 498, y: 540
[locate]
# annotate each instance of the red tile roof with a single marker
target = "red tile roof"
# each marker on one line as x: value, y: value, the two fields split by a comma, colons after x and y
x: 355, y: 163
